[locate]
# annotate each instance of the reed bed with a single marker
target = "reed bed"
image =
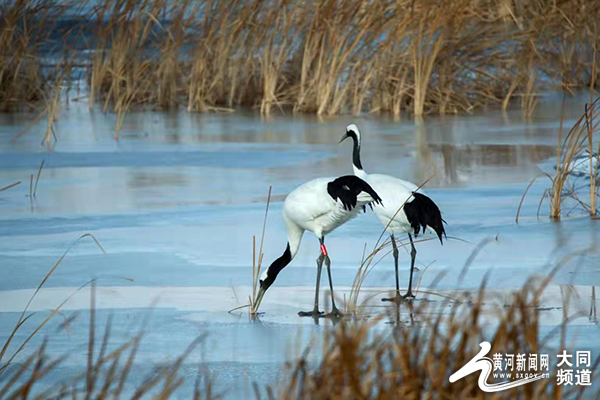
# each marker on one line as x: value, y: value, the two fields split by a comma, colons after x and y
x: 413, y: 358
x: 324, y: 57
x: 21, y: 79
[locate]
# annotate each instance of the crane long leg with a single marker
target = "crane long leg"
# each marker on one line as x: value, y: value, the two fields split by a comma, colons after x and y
x: 319, y: 268
x: 397, y: 298
x: 334, y: 310
x: 315, y: 312
x: 413, y: 256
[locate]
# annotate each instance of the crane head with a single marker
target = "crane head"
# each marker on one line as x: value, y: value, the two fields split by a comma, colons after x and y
x: 264, y: 283
x: 353, y: 132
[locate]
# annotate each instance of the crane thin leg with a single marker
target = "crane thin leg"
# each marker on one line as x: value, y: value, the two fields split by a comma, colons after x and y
x: 397, y: 298
x: 413, y: 256
x: 334, y: 310
x: 315, y: 312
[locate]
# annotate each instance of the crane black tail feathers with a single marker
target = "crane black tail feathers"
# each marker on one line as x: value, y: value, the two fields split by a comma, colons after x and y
x: 422, y: 212
x: 347, y: 188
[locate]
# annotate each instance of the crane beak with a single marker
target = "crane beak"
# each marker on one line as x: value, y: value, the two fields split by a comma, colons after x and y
x: 259, y: 297
x: 343, y: 138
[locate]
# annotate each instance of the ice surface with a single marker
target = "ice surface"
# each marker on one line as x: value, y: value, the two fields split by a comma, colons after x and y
x: 176, y: 201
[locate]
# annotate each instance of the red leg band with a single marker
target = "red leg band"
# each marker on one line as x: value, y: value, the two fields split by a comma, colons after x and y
x: 323, y: 250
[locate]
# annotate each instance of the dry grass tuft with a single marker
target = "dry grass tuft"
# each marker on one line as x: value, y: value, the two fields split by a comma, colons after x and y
x: 22, y: 318
x: 257, y: 266
x: 573, y: 152
x: 106, y: 373
x: 414, y: 359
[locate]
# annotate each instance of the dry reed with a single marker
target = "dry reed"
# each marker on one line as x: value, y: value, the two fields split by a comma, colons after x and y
x: 570, y: 152
x: 22, y: 33
x: 414, y: 359
x: 10, y: 186
x: 256, y: 266
x: 106, y: 373
x: 327, y: 57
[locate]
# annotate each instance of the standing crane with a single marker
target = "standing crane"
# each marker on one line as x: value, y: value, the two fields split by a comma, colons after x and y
x: 404, y: 209
x: 319, y: 206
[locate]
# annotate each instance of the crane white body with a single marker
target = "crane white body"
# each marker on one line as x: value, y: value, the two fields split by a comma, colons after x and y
x: 397, y: 193
x: 309, y: 207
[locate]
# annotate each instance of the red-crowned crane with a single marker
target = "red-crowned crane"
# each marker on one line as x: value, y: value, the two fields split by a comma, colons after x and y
x: 318, y: 206
x: 404, y: 208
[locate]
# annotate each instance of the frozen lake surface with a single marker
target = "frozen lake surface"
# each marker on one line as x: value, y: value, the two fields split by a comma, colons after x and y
x: 176, y: 201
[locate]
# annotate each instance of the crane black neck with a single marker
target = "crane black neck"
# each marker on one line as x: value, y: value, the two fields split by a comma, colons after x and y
x: 276, y: 267
x: 356, y: 152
